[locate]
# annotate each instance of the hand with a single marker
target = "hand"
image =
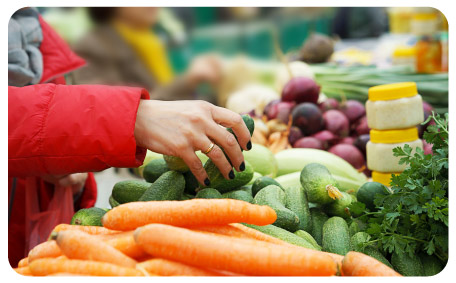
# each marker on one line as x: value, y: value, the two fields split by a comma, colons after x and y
x: 180, y: 128
x: 206, y: 68
x: 76, y: 181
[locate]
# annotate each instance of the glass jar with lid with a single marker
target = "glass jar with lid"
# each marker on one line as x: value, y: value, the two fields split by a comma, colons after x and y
x: 379, y: 150
x: 394, y: 106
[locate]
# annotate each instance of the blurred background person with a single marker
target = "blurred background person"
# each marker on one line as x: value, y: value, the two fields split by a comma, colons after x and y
x: 122, y: 49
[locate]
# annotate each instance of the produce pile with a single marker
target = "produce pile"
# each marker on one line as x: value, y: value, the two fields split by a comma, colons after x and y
x: 310, y: 213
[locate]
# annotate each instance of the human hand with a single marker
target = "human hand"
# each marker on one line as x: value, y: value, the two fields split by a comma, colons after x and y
x: 205, y: 68
x: 75, y: 181
x: 179, y: 128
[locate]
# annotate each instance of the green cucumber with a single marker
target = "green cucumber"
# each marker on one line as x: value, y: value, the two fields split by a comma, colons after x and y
x: 154, y: 169
x: 356, y: 244
x: 112, y: 202
x: 170, y: 186
x: 223, y: 185
x: 88, y: 217
x: 263, y: 182
x: 240, y: 195
x: 274, y: 197
x: 208, y: 193
x: 353, y: 228
x: 247, y: 189
x: 306, y: 236
x: 319, y: 184
x: 339, y: 207
x: 406, y: 264
x: 283, y: 235
x: 297, y: 202
x: 367, y: 192
x: 336, y: 238
x: 175, y: 163
x: 431, y: 264
x: 191, y: 183
x: 129, y: 191
x: 318, y: 218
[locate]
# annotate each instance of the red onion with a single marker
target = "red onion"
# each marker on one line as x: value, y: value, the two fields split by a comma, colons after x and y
x: 308, y: 142
x: 427, y: 148
x: 307, y: 117
x: 361, y: 126
x: 349, y: 153
x: 294, y: 135
x: 326, y: 137
x: 301, y: 89
x: 353, y: 109
x: 336, y: 122
x: 330, y: 103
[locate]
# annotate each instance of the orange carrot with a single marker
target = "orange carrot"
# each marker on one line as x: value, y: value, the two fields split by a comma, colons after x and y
x: 92, y: 230
x: 255, y: 234
x: 45, y: 249
x: 23, y: 270
x: 359, y: 264
x: 164, y: 267
x: 66, y: 274
x: 47, y: 266
x: 185, y: 213
x: 23, y: 262
x: 337, y: 258
x: 242, y: 256
x: 126, y: 244
x: 79, y: 245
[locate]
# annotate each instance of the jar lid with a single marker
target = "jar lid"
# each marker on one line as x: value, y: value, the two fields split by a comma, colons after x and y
x: 383, y: 178
x: 392, y: 91
x: 394, y: 136
x: 424, y: 16
x: 404, y: 51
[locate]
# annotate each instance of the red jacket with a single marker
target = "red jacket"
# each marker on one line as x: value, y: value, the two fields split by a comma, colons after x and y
x: 58, y: 129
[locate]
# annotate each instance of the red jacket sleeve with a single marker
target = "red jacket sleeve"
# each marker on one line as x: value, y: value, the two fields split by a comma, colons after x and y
x: 63, y: 129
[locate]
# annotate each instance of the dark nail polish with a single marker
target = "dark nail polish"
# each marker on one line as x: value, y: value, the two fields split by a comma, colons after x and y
x: 231, y: 174
x: 207, y: 182
x: 242, y: 166
x: 249, y: 145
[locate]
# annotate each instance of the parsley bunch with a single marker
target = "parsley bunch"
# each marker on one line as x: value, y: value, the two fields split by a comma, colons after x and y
x: 414, y: 218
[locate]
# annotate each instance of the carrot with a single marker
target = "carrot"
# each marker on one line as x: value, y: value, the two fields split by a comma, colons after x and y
x: 79, y: 245
x: 47, y: 266
x: 126, y: 244
x: 164, y: 267
x: 45, y: 249
x: 23, y: 262
x: 92, y: 230
x: 359, y: 264
x: 193, y: 212
x: 23, y: 270
x: 255, y: 234
x: 337, y: 258
x: 242, y: 256
x: 66, y: 274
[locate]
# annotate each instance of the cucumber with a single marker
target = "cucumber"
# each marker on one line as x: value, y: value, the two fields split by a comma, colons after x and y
x: 170, y: 186
x: 263, y: 182
x: 296, y: 201
x: 191, y: 183
x: 407, y: 265
x: 283, y: 235
x: 256, y: 175
x: 318, y: 218
x: 306, y: 236
x: 223, y: 185
x: 112, y: 202
x: 356, y: 242
x: 129, y: 191
x: 336, y: 238
x: 88, y: 217
x: 240, y: 195
x: 367, y: 192
x: 431, y: 264
x: 247, y: 189
x: 176, y: 163
x: 319, y: 184
x: 353, y: 228
x: 274, y: 197
x: 154, y: 169
x: 240, y: 178
x: 339, y: 207
x: 208, y: 193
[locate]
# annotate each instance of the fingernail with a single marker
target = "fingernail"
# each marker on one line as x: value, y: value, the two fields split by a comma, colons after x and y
x: 249, y: 145
x: 207, y: 182
x: 231, y: 174
x: 242, y: 166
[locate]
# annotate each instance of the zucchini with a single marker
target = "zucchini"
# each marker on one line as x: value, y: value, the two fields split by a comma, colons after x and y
x: 336, y: 238
x: 296, y: 201
x: 318, y: 218
x: 274, y: 197
x: 319, y: 184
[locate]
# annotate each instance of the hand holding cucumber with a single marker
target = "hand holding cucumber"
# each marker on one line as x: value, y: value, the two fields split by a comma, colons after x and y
x: 179, y: 128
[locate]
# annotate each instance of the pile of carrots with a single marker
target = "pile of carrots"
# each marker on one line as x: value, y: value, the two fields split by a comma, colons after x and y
x: 199, y: 237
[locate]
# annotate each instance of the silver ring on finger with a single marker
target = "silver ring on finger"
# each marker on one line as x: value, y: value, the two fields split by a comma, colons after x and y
x: 209, y: 149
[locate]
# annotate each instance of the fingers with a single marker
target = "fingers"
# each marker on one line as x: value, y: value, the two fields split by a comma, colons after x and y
x: 218, y: 157
x: 73, y: 179
x: 234, y: 121
x: 228, y: 142
x: 195, y: 165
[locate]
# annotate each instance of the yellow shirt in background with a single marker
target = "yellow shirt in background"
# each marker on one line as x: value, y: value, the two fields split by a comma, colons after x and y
x: 150, y: 50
